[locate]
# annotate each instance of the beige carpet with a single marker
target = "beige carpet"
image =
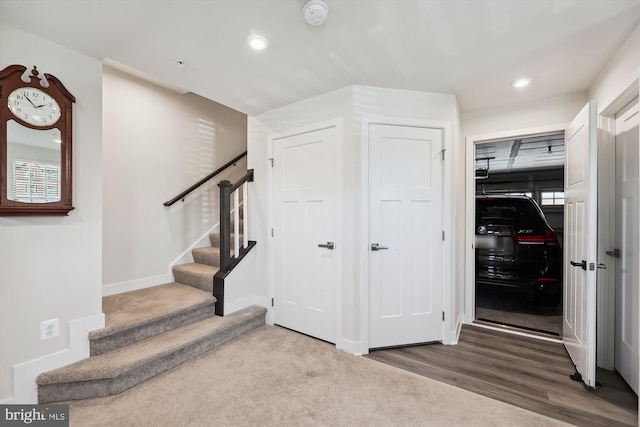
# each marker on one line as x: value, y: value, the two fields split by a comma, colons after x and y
x: 276, y: 377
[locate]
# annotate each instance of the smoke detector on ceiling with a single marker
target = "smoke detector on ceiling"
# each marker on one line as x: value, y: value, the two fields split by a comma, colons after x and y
x: 315, y: 12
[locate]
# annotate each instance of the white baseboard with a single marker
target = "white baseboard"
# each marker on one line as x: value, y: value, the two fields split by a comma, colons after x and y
x: 353, y: 347
x: 451, y: 337
x: 239, y: 304
x: 25, y: 390
x: 134, y: 285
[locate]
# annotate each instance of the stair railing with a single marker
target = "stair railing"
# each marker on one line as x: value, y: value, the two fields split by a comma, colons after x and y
x: 238, y: 192
x: 197, y: 185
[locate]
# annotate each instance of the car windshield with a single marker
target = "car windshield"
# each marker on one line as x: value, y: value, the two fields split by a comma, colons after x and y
x: 505, y: 209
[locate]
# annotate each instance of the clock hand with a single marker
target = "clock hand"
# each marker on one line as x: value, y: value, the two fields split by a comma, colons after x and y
x: 30, y: 102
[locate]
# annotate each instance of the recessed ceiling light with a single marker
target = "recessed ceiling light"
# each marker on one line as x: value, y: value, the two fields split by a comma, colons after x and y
x: 257, y: 42
x: 520, y: 83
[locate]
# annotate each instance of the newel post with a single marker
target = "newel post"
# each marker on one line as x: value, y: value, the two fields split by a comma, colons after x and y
x: 225, y: 223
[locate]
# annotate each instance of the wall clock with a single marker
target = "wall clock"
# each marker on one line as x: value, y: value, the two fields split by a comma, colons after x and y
x: 35, y: 143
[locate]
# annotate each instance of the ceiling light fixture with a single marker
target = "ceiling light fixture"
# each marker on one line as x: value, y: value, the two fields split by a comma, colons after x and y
x: 521, y: 83
x: 315, y: 12
x: 257, y: 42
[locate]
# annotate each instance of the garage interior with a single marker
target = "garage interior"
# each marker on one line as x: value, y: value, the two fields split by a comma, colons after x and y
x: 531, y: 166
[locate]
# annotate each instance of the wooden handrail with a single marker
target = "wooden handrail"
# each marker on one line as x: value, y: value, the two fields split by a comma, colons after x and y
x: 182, y: 195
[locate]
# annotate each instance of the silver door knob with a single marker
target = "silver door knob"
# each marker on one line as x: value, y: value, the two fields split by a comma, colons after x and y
x: 328, y: 245
x: 377, y: 247
x: 601, y: 265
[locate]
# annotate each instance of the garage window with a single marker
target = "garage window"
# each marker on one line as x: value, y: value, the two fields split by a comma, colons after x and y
x: 552, y: 198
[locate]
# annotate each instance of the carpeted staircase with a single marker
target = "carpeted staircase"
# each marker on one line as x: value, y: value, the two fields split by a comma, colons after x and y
x: 150, y: 331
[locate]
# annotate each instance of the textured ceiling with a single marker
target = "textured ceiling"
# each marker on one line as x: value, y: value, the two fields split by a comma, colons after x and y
x: 471, y: 48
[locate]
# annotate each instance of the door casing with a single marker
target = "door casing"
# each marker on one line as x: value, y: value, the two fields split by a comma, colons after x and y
x: 470, y: 196
x: 606, y: 221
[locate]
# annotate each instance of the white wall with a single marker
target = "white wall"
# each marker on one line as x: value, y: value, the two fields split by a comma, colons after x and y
x: 542, y: 112
x: 158, y: 143
x: 50, y: 267
x: 619, y: 72
x: 351, y: 105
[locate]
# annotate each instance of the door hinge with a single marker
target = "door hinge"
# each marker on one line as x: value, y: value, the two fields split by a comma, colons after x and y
x: 272, y: 302
x: 271, y: 160
x: 442, y: 151
x: 443, y: 235
x: 272, y: 232
x: 443, y: 316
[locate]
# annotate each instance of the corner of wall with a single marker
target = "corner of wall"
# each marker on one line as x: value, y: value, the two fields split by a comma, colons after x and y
x: 25, y: 389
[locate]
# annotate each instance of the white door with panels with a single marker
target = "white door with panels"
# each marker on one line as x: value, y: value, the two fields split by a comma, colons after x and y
x: 579, y: 313
x: 406, y: 235
x: 625, y: 255
x: 305, y: 228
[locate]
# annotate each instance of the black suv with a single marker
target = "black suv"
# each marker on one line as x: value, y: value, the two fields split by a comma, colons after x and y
x: 517, y: 249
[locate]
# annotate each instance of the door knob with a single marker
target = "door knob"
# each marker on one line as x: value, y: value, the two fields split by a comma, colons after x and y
x: 377, y: 247
x: 601, y: 265
x: 328, y: 245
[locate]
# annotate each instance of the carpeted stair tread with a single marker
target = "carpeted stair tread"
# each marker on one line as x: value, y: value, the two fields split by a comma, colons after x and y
x: 126, y: 310
x: 194, y: 274
x: 116, y: 371
x: 137, y: 315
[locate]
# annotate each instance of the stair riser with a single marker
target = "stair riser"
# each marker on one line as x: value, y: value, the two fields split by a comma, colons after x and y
x: 61, y: 392
x: 206, y: 257
x: 204, y: 282
x: 214, y: 239
x: 157, y: 327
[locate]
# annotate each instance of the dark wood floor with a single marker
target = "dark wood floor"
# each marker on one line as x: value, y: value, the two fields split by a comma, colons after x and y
x: 526, y: 372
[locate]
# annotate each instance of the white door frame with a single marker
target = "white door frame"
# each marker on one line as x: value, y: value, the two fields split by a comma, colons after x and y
x: 470, y: 197
x: 606, y: 225
x: 337, y: 123
x: 450, y: 326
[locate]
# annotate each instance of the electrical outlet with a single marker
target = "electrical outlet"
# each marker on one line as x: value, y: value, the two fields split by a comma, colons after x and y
x: 49, y: 329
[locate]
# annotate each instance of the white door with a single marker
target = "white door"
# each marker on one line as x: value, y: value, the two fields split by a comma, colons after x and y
x: 627, y: 242
x: 406, y: 237
x: 305, y: 193
x: 579, y: 314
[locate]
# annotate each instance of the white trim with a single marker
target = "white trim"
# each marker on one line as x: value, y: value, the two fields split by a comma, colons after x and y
x: 606, y: 298
x: 25, y: 390
x: 627, y: 93
x: 333, y: 123
x: 452, y: 337
x: 134, y: 285
x: 202, y: 242
x: 350, y: 346
x: 248, y: 301
x: 447, y: 202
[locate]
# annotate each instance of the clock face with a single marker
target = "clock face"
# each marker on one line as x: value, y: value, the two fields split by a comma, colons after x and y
x: 33, y: 106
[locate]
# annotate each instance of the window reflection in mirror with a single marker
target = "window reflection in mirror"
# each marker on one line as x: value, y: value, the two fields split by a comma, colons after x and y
x: 33, y: 164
